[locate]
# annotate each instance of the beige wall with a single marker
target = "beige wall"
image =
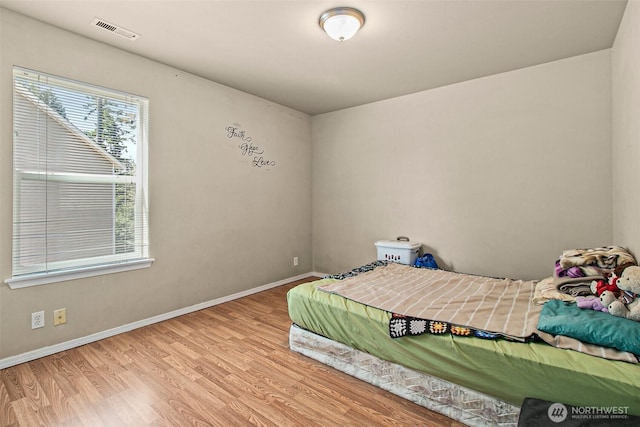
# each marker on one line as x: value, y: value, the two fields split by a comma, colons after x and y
x: 626, y: 129
x: 495, y: 176
x: 219, y: 226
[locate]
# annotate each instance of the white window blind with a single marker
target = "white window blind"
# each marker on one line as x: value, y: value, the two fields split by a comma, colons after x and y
x: 79, y: 174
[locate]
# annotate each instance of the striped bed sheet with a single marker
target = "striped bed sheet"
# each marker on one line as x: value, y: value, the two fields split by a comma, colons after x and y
x: 501, y: 306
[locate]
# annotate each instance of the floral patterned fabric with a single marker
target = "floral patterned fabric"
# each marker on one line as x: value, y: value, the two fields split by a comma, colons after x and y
x: 454, y: 401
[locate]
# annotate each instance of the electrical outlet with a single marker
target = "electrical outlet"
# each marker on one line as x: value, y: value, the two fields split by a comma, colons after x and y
x: 37, y: 319
x: 295, y: 261
x: 59, y: 316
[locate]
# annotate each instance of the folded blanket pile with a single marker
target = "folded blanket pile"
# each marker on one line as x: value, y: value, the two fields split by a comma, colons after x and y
x: 575, y: 269
x: 582, y: 327
x: 576, y: 287
x: 607, y: 257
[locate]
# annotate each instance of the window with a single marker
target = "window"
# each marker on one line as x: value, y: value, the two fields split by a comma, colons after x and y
x: 79, y: 179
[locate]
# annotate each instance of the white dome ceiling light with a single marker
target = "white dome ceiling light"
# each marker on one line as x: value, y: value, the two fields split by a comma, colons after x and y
x: 341, y: 23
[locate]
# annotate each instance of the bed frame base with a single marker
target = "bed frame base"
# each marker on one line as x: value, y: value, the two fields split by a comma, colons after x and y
x: 459, y: 403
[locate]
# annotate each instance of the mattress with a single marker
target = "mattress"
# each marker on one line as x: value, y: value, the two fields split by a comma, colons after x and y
x: 454, y: 401
x: 508, y: 371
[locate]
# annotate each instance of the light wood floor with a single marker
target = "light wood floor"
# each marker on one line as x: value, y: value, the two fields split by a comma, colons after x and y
x: 227, y: 365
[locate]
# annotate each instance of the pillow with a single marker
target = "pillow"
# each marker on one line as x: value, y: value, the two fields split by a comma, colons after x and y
x: 594, y: 327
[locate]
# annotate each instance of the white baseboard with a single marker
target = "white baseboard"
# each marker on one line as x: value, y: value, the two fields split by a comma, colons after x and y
x: 77, y: 342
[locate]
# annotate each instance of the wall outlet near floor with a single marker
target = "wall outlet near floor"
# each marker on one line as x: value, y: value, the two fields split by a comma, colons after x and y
x: 59, y: 316
x: 295, y: 261
x: 37, y: 320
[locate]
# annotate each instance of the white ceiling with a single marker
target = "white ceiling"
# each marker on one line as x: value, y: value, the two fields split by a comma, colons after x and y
x: 276, y: 50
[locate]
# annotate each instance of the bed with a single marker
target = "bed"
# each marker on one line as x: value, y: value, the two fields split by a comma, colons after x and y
x: 472, y: 378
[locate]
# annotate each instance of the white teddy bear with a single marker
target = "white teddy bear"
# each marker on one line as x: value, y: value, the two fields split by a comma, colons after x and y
x: 628, y: 304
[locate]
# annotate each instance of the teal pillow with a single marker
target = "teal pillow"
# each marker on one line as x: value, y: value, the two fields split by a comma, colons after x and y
x: 589, y: 326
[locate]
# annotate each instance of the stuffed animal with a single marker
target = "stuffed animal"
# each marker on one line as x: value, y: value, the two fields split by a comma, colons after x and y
x: 628, y: 304
x: 599, y: 286
x: 591, y: 303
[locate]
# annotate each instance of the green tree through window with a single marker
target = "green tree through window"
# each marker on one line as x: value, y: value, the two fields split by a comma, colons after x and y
x: 114, y: 132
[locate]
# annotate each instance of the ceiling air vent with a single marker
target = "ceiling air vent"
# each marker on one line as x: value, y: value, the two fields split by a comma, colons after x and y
x: 100, y: 23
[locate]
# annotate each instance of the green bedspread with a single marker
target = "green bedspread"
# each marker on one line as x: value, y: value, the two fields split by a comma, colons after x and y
x: 506, y: 370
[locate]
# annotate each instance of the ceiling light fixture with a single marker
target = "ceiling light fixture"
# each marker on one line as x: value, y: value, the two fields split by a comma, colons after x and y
x: 341, y: 23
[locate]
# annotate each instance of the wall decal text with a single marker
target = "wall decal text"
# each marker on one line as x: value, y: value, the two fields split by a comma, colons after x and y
x: 248, y: 148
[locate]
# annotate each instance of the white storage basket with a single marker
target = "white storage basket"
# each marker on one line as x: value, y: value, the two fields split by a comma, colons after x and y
x: 401, y: 251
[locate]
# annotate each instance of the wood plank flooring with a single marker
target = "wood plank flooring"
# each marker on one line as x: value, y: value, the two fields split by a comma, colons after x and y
x: 228, y: 365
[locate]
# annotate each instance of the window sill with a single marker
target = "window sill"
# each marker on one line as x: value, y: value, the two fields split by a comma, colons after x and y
x: 44, y: 278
